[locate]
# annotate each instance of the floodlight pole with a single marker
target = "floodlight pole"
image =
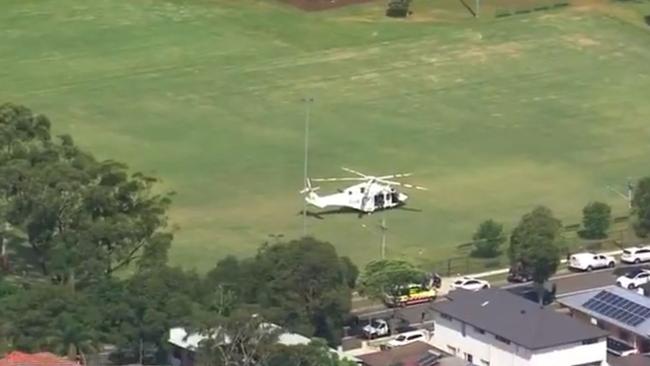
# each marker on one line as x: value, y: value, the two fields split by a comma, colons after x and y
x: 308, y: 101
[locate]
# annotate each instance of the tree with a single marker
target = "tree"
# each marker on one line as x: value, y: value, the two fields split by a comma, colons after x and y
x: 386, y: 275
x: 398, y: 8
x: 302, y: 285
x: 641, y: 207
x: 52, y: 318
x: 82, y: 218
x: 350, y: 271
x: 487, y: 239
x: 316, y: 353
x: 534, y: 244
x: 596, y: 218
x: 241, y: 339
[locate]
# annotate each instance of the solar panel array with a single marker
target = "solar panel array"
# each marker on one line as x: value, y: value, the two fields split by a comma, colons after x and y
x: 619, y: 308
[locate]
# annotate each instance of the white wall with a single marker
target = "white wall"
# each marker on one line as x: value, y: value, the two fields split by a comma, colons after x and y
x: 485, y: 347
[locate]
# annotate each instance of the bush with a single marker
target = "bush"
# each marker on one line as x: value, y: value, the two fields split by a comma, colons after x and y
x: 487, y: 239
x: 398, y: 8
x: 596, y: 218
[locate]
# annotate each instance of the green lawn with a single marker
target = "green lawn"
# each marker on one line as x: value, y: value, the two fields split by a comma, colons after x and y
x: 494, y: 116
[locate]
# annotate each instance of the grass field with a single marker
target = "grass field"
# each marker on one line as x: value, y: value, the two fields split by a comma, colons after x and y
x: 494, y: 116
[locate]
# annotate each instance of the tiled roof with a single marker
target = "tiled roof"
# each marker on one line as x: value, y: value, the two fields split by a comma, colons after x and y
x: 17, y: 358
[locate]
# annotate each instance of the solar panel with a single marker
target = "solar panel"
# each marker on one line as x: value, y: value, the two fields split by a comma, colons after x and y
x: 619, y: 308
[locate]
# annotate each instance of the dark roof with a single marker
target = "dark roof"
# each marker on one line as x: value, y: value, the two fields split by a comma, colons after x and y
x: 632, y: 360
x: 512, y: 317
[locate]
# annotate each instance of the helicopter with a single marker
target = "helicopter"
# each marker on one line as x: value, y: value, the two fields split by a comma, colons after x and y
x: 372, y: 194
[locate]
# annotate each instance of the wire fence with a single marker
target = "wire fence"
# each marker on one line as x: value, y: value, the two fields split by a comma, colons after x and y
x: 620, y: 236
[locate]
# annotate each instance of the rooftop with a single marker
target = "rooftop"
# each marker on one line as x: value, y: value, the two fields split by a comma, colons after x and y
x: 413, y: 354
x: 36, y: 359
x: 583, y: 303
x: 512, y: 317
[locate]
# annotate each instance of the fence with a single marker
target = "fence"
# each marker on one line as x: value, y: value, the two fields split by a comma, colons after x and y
x: 620, y: 236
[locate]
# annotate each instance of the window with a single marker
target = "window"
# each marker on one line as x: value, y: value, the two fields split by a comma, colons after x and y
x: 415, y: 336
x: 469, y: 357
x: 504, y: 340
x: 445, y: 316
x: 595, y: 363
x: 485, y: 363
x: 479, y: 330
x: 452, y: 350
x: 590, y: 341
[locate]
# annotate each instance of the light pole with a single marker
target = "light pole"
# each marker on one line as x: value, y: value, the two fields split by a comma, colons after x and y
x: 308, y: 101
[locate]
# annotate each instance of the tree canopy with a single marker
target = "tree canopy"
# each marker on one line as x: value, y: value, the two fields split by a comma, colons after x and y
x: 81, y: 218
x: 488, y: 239
x: 641, y: 207
x: 596, y: 218
x: 386, y: 275
x: 302, y: 284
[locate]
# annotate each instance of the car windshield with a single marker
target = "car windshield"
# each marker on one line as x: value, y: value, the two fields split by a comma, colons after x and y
x: 400, y: 338
x: 627, y: 252
x: 375, y: 324
x: 632, y: 274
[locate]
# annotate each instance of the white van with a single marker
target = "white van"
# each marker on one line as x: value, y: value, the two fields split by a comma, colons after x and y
x: 589, y: 261
x: 408, y: 337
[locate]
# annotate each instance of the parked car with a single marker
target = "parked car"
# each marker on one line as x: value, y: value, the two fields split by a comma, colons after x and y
x: 376, y: 328
x: 634, y: 278
x: 519, y: 274
x: 619, y: 348
x: 635, y: 255
x: 591, y: 261
x: 470, y: 283
x: 406, y: 338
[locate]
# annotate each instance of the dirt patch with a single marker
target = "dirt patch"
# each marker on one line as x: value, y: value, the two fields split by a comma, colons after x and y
x: 581, y: 40
x: 316, y: 5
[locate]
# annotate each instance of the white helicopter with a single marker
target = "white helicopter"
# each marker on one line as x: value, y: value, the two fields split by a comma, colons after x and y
x: 374, y: 193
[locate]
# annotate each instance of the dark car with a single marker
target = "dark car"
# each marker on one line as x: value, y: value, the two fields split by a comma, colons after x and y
x: 518, y: 274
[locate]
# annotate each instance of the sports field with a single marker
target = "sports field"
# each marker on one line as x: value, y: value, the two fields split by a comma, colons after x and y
x: 494, y: 116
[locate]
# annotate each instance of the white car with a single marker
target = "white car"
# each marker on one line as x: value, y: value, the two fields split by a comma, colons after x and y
x: 590, y: 261
x: 406, y: 338
x: 635, y: 255
x: 376, y: 328
x: 634, y: 278
x: 470, y: 283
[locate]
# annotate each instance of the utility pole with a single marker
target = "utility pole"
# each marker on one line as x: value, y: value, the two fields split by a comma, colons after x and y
x: 308, y: 101
x: 383, y: 228
x: 478, y: 7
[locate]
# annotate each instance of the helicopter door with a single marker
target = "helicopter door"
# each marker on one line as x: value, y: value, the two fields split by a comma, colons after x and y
x: 394, y: 197
x: 379, y: 200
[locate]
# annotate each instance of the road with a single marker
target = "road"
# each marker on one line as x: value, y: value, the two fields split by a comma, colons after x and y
x: 421, y: 315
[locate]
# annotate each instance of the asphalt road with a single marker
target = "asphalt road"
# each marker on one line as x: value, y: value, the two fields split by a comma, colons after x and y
x: 421, y: 315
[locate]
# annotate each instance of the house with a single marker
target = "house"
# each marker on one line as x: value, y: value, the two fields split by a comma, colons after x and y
x: 35, y: 359
x: 413, y: 354
x: 625, y: 314
x: 184, y: 345
x: 494, y: 327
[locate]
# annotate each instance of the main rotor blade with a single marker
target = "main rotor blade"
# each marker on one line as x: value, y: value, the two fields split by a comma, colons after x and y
x: 335, y: 179
x: 354, y: 172
x: 401, y: 175
x: 406, y: 185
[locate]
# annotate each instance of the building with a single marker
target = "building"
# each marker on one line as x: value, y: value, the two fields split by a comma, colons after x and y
x: 413, y: 354
x: 35, y: 359
x: 184, y: 345
x: 625, y: 314
x: 494, y: 327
